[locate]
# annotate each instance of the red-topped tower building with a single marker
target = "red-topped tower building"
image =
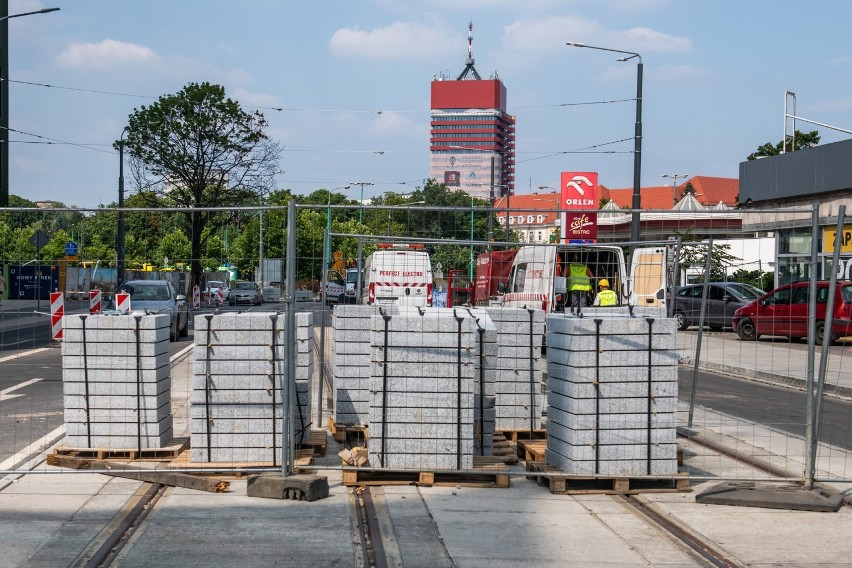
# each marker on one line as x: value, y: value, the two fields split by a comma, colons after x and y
x: 472, y: 141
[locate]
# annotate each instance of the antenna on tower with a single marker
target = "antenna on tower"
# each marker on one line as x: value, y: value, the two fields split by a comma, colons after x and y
x: 468, y: 66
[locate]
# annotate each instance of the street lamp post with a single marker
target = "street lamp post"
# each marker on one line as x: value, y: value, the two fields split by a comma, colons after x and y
x: 674, y: 178
x: 119, y: 239
x: 361, y: 209
x: 637, y: 136
x: 4, y: 95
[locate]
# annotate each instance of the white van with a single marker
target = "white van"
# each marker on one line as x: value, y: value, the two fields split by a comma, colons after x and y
x: 534, y: 279
x: 399, y: 275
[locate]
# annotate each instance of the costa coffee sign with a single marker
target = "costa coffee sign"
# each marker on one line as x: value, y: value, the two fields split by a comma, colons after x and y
x: 579, y: 197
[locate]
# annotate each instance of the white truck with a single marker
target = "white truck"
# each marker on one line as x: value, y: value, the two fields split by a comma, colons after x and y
x: 536, y: 278
x: 398, y: 275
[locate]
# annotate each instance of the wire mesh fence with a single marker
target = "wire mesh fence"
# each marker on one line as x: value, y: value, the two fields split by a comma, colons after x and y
x: 427, y: 338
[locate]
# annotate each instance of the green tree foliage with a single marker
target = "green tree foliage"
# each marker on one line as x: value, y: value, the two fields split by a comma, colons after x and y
x: 693, y: 255
x: 201, y: 149
x: 763, y: 280
x: 803, y: 140
x: 175, y: 246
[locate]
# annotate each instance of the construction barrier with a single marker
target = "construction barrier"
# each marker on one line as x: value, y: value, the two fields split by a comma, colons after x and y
x: 196, y: 297
x: 57, y: 310
x: 94, y: 302
x: 122, y: 302
x: 220, y: 296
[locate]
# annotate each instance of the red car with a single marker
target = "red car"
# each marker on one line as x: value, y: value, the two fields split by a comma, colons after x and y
x: 784, y: 312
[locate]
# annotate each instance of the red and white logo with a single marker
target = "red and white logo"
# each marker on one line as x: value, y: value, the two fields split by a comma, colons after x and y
x: 580, y: 193
x: 196, y: 297
x: 94, y: 302
x: 57, y: 310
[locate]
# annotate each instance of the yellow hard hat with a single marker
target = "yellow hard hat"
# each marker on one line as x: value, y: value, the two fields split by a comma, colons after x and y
x: 603, y: 283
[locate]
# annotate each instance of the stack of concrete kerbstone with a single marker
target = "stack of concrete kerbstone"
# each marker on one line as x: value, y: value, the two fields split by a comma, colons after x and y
x: 422, y: 385
x: 627, y: 425
x: 128, y: 382
x: 351, y: 363
x: 484, y: 399
x: 239, y: 385
x: 518, y: 368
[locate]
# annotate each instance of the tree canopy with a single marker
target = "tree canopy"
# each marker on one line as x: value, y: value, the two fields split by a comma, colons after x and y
x: 199, y: 148
x: 803, y: 140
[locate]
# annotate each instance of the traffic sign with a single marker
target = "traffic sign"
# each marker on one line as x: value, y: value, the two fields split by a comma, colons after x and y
x: 39, y: 239
x: 70, y: 248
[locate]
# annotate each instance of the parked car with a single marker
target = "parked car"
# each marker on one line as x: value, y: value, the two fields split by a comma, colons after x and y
x: 158, y: 297
x: 213, y: 286
x: 348, y: 297
x: 245, y: 293
x: 784, y: 312
x: 723, y: 299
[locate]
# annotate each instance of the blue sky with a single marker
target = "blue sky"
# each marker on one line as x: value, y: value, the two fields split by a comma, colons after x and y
x: 714, y: 82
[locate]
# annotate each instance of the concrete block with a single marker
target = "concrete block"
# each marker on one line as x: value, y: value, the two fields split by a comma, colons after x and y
x: 609, y: 342
x: 301, y: 487
x: 107, y: 415
x: 610, y: 405
x: 119, y: 442
x: 117, y: 402
x: 617, y: 468
x: 610, y: 390
x: 115, y: 335
x: 115, y: 363
x: 120, y: 429
x: 589, y: 437
x: 612, y: 358
x: 611, y: 421
x: 114, y: 349
x: 661, y: 374
x: 115, y: 375
x: 569, y: 325
x: 421, y: 355
x: 99, y: 388
x: 75, y: 321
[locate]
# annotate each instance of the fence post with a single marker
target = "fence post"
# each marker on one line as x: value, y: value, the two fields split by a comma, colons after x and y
x: 809, y: 383
x: 290, y: 390
x: 707, y: 267
x: 325, y: 261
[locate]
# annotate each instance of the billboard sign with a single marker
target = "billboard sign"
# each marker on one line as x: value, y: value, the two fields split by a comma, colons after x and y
x: 579, y: 198
x: 470, y: 172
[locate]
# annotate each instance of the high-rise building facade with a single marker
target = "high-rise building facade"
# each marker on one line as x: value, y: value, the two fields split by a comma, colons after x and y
x: 472, y: 136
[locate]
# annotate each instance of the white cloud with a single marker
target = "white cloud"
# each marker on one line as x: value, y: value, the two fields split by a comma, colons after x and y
x: 646, y: 39
x: 255, y: 99
x: 551, y: 34
x: 390, y: 123
x: 107, y: 53
x: 396, y: 41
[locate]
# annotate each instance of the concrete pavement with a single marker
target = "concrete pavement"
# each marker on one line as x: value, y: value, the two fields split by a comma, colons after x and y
x: 53, y: 517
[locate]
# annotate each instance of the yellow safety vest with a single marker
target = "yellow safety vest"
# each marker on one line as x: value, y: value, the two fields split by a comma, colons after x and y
x: 578, y: 280
x: 607, y: 298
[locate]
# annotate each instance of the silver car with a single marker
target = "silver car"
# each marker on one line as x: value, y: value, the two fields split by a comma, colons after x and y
x: 245, y: 293
x: 158, y: 297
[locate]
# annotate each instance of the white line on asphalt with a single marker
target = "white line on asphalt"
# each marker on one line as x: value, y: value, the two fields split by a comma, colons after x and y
x: 24, y: 354
x: 33, y: 449
x: 4, y: 394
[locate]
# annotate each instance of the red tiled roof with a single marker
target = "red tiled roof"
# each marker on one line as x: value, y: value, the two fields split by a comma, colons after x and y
x: 708, y: 190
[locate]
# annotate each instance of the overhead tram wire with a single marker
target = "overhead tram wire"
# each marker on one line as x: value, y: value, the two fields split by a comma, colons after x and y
x: 48, y: 140
x: 306, y: 109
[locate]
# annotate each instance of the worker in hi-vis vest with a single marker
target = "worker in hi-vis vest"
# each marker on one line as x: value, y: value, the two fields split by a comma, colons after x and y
x: 579, y: 283
x: 605, y: 297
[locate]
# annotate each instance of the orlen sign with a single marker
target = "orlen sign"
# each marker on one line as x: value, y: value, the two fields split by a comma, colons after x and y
x: 579, y: 196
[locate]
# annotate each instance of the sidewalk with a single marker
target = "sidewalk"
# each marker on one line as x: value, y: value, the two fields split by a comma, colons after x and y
x: 58, y: 518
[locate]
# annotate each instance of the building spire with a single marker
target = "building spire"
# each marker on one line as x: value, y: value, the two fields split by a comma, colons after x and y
x: 468, y: 66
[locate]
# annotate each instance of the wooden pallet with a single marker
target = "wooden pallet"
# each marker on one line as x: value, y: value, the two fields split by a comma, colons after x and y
x: 487, y: 476
x: 303, y: 458
x: 514, y: 435
x: 531, y: 450
x: 166, y: 453
x: 341, y: 431
x: 502, y: 449
x: 561, y: 484
x: 317, y: 441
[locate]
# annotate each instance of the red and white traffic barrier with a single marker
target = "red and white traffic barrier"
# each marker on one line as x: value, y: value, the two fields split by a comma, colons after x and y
x: 94, y: 302
x: 57, y: 310
x: 122, y: 302
x: 196, y: 297
x: 220, y: 296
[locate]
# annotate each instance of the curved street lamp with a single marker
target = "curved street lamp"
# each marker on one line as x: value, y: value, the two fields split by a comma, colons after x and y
x: 4, y: 95
x: 637, y: 136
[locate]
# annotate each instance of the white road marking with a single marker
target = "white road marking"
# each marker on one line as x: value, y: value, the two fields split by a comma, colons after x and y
x: 4, y: 394
x: 24, y: 354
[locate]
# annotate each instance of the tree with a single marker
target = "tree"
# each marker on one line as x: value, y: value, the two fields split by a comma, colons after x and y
x: 803, y: 140
x: 692, y: 255
x: 201, y: 150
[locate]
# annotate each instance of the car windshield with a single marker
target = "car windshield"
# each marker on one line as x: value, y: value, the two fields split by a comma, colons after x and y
x: 215, y: 284
x: 846, y: 292
x: 746, y: 291
x: 351, y: 277
x: 246, y: 286
x: 142, y: 291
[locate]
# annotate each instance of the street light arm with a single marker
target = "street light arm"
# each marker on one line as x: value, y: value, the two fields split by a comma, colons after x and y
x: 632, y: 54
x: 42, y: 11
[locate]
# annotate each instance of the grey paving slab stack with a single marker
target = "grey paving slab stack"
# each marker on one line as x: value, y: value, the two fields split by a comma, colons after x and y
x: 613, y: 395
x: 518, y: 388
x: 117, y: 389
x: 422, y: 385
x: 351, y: 368
x: 484, y: 400
x: 238, y: 386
